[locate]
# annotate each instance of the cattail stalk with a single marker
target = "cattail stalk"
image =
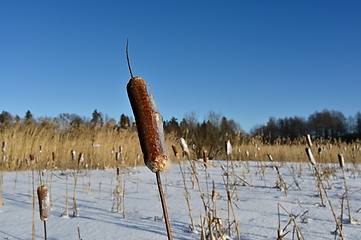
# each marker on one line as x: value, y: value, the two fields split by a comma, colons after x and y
x: 150, y: 132
x: 44, y: 205
x: 342, y: 165
x: 313, y: 162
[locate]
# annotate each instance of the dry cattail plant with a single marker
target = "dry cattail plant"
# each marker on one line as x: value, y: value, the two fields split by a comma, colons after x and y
x: 185, y: 148
x: 342, y: 165
x: 308, y: 139
x: 228, y: 148
x: 150, y: 131
x: 175, y: 151
x: 3, y: 147
x: 320, y: 185
x: 44, y: 205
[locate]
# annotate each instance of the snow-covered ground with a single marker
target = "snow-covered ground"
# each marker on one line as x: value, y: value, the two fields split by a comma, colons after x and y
x: 254, y: 194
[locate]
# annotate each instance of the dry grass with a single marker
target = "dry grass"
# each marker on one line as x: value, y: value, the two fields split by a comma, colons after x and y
x: 22, y: 141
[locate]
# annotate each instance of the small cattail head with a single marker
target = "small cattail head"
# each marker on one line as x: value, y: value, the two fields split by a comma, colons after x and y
x: 270, y: 157
x: 185, y: 148
x: 40, y: 149
x: 3, y: 147
x: 53, y: 155
x: 308, y: 139
x: 73, y: 155
x: 310, y: 156
x: 32, y: 158
x: 341, y: 160
x: 81, y: 158
x: 44, y: 202
x: 117, y: 156
x: 214, y: 193
x: 228, y: 148
x: 175, y: 151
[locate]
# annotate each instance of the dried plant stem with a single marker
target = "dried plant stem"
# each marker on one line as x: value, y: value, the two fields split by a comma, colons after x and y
x: 45, y: 236
x: 347, y: 198
x: 164, y: 206
x: 66, y: 197
x: 329, y: 202
x: 187, y: 197
x: 75, y: 212
x: 33, y: 212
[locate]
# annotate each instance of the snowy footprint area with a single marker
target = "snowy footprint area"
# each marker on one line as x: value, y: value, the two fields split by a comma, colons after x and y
x: 256, y: 189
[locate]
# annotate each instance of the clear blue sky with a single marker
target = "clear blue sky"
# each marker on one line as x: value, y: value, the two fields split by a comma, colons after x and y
x: 247, y: 60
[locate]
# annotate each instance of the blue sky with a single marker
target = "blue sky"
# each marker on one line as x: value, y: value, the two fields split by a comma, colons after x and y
x: 247, y: 60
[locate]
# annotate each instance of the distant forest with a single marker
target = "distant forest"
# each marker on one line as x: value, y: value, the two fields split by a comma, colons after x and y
x: 215, y: 127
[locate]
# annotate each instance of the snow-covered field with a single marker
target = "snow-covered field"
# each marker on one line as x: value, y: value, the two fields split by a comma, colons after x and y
x: 254, y: 194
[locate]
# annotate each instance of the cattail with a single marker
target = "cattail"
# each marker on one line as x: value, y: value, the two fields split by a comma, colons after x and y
x: 117, y: 156
x: 44, y: 202
x: 205, y: 157
x: 53, y: 156
x: 150, y: 132
x: 270, y: 157
x: 309, y: 141
x: 32, y: 158
x: 81, y: 158
x: 73, y: 155
x: 310, y: 156
x: 341, y: 160
x: 149, y: 124
x: 175, y: 151
x: 319, y: 151
x: 228, y: 148
x: 40, y: 149
x: 3, y: 147
x: 247, y: 153
x: 18, y: 162
x: 3, y: 159
x: 184, y: 147
x: 214, y: 193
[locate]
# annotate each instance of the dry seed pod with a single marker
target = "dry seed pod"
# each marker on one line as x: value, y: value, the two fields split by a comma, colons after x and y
x: 185, y: 148
x: 3, y: 147
x: 117, y: 156
x: 81, y: 158
x: 228, y: 148
x: 149, y: 124
x: 270, y: 157
x: 44, y: 202
x: 309, y: 141
x: 73, y: 155
x: 53, y: 155
x: 175, y: 151
x: 40, y: 149
x: 341, y: 160
x: 310, y: 156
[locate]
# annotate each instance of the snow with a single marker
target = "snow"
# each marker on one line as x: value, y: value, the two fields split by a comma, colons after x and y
x: 254, y: 194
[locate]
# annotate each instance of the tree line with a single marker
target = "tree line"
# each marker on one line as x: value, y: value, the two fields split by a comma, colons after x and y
x: 215, y: 129
x: 325, y: 124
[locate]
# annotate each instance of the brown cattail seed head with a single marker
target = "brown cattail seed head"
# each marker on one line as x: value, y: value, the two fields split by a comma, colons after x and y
x: 175, y: 151
x: 149, y: 124
x: 44, y: 202
x: 53, y: 155
x: 310, y: 156
x: 341, y: 160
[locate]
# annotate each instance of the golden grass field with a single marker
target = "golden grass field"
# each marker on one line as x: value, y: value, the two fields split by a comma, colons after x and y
x: 22, y: 141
